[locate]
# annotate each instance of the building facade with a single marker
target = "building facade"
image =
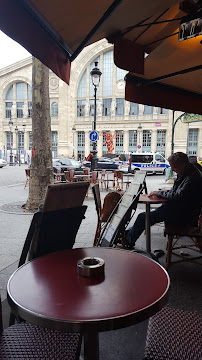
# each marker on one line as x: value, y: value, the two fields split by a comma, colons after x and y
x: 131, y: 127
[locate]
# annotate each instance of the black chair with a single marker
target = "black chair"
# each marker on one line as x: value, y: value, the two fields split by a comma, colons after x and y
x: 54, y: 227
x: 114, y: 230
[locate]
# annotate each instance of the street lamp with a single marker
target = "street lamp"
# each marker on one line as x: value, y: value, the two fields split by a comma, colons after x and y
x: 10, y: 123
x: 18, y: 143
x: 95, y: 76
x: 73, y: 131
x: 174, y: 122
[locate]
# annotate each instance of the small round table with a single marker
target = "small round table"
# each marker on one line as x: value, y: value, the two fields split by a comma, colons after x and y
x: 49, y: 292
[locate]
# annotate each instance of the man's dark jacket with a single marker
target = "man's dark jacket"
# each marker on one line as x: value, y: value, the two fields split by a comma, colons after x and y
x: 185, y: 198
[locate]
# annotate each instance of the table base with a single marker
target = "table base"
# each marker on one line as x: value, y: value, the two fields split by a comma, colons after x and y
x: 91, y: 346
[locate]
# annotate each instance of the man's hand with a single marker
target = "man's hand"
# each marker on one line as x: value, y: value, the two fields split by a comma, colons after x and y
x: 153, y: 194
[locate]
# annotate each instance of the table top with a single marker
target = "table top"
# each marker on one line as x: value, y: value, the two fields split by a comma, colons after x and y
x: 49, y: 292
x: 147, y: 200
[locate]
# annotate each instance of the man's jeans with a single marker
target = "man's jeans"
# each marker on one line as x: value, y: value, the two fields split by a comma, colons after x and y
x: 156, y: 216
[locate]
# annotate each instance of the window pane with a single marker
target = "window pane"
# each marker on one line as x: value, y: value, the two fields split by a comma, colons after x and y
x: 19, y: 106
x: 30, y: 141
x: 193, y: 142
x: 106, y: 107
x: 29, y: 109
x: 9, y: 94
x: 107, y: 76
x: 134, y: 109
x: 91, y: 89
x: 9, y: 140
x: 120, y: 74
x: 81, y: 139
x: 148, y: 110
x: 20, y: 143
x: 120, y: 106
x: 29, y: 92
x: 146, y: 142
x: 119, y: 141
x: 20, y: 91
x: 92, y: 105
x: 54, y: 109
x: 132, y: 140
x: 81, y: 108
x: 54, y: 136
x: 81, y: 91
x: 161, y: 141
x: 8, y: 109
x: 163, y: 111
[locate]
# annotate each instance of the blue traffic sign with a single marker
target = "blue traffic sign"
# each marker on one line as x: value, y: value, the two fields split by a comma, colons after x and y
x: 93, y: 135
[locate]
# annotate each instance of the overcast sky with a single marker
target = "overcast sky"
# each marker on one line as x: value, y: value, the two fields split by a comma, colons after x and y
x: 10, y: 51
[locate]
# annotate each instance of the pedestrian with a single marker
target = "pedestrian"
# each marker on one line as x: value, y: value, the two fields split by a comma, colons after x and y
x: 28, y: 160
x: 183, y: 203
x: 15, y: 160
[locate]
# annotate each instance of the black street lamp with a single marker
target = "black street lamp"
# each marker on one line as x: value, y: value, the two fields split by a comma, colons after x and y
x: 174, y: 122
x: 10, y: 123
x: 18, y: 143
x: 95, y: 76
x: 73, y: 131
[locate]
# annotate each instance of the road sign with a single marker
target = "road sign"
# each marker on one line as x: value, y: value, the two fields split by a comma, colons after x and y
x: 93, y: 135
x: 162, y: 147
x: 139, y: 146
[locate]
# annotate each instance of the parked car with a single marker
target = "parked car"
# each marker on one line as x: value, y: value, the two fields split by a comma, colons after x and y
x: 103, y: 163
x: 66, y: 164
x: 2, y: 163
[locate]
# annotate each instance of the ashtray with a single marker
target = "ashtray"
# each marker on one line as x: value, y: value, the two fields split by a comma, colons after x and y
x: 91, y: 266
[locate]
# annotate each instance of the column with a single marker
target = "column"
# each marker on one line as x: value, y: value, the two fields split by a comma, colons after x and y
x: 126, y: 140
x: 87, y: 143
x: 153, y: 140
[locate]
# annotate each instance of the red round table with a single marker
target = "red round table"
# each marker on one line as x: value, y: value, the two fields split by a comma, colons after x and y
x: 49, y: 292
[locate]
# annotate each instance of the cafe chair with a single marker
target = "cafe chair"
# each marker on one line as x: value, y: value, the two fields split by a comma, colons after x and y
x: 94, y: 179
x: 184, y: 243
x: 27, y: 341
x: 118, y: 180
x: 110, y: 202
x: 113, y: 231
x: 103, y: 180
x: 174, y: 334
x: 54, y: 227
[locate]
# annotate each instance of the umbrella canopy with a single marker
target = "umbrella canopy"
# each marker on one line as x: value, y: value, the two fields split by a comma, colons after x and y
x: 56, y: 32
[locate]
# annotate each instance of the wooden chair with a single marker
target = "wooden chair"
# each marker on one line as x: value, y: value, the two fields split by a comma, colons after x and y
x: 176, y: 242
x: 174, y: 334
x: 102, y: 179
x: 26, y: 341
x: 27, y: 173
x: 118, y: 179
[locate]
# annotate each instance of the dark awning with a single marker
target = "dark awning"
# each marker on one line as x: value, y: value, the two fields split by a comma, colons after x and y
x: 56, y: 31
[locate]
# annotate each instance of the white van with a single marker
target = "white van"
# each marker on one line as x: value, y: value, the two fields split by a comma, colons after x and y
x: 152, y: 163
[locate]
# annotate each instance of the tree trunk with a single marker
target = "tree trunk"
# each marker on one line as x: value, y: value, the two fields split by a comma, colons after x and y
x: 41, y: 171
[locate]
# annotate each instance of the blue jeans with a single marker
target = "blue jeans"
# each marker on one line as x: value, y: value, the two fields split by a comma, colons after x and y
x: 134, y: 232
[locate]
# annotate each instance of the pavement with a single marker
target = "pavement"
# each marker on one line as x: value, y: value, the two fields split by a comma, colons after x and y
x: 123, y: 344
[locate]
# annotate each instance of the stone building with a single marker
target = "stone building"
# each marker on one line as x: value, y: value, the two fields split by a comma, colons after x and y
x: 133, y: 127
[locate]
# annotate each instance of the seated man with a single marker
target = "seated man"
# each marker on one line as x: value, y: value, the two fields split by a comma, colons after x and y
x: 184, y: 199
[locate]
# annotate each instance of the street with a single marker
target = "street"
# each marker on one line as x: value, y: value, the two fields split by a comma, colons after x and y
x: 15, y: 221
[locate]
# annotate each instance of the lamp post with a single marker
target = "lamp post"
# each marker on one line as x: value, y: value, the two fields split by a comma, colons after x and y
x: 173, y: 129
x: 73, y: 131
x: 18, y: 143
x: 10, y: 123
x: 139, y: 128
x: 95, y: 76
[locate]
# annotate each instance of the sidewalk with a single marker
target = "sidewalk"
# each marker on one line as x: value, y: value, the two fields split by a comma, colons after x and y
x: 123, y: 344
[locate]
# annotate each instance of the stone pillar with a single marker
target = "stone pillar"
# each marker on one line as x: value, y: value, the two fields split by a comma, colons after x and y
x: 99, y: 144
x: 153, y: 140
x: 126, y: 140
x: 87, y: 143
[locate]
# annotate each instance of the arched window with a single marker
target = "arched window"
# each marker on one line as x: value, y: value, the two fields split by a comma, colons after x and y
x: 81, y: 91
x: 19, y: 92
x: 107, y: 76
x: 54, y: 109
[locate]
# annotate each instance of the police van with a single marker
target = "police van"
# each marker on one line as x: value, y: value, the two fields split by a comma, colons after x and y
x: 152, y: 163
